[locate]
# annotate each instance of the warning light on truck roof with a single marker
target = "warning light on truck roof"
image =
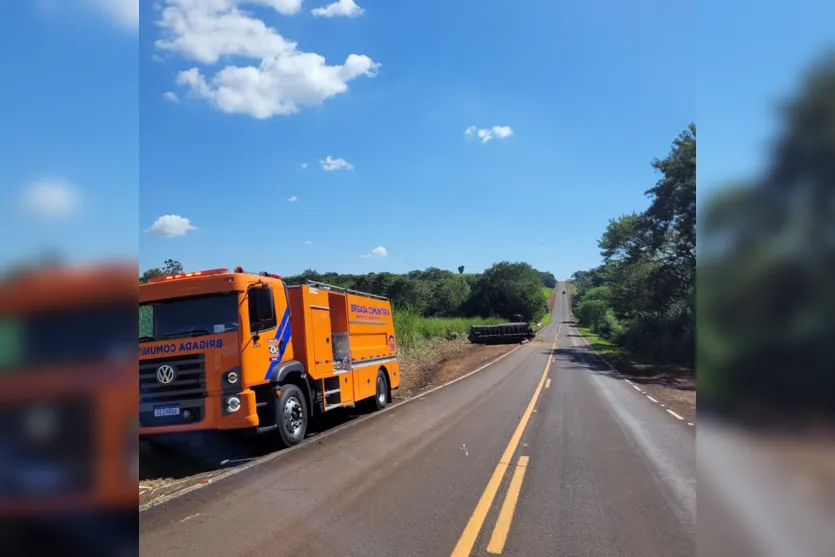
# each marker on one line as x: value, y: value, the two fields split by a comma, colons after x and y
x: 189, y: 275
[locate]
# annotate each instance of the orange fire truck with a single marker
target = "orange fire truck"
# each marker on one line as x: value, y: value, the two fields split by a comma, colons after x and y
x: 68, y: 405
x: 244, y: 351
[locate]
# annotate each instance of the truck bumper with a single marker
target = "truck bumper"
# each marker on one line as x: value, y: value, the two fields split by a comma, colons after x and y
x: 217, y: 411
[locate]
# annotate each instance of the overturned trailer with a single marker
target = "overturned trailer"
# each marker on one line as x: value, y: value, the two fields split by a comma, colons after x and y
x: 504, y: 333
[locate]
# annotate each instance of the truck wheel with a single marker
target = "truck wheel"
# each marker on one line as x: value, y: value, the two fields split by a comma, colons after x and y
x: 291, y: 415
x: 381, y: 396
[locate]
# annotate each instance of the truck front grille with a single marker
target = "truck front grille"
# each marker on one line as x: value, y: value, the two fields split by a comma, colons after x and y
x: 188, y: 389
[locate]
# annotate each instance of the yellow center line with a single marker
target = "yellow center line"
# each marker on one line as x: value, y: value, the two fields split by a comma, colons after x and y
x: 497, y: 541
x: 468, y: 537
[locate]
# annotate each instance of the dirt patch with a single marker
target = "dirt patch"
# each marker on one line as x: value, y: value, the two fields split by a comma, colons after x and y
x: 682, y: 403
x: 674, y: 386
x: 441, y: 361
x: 151, y: 490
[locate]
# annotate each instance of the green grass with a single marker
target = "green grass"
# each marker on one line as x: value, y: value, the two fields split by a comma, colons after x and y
x: 547, y: 317
x: 413, y: 329
x: 605, y: 348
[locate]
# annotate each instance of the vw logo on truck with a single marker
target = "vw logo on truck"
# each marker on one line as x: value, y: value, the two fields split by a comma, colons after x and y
x: 165, y: 374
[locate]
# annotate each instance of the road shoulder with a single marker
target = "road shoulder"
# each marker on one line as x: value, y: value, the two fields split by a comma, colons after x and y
x: 670, y: 386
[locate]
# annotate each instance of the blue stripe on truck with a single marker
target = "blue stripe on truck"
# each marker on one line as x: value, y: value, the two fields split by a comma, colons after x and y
x: 282, y: 332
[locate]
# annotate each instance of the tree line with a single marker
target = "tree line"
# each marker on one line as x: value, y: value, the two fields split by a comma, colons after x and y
x: 509, y: 290
x: 642, y: 296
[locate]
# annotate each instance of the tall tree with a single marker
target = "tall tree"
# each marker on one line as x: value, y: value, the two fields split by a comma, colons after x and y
x: 507, y: 289
x: 172, y: 267
x: 149, y: 274
x: 670, y: 219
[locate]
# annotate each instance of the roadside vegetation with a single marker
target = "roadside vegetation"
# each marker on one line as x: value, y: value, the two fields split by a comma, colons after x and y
x: 639, y: 303
x: 414, y: 329
x: 549, y: 295
x: 435, y: 307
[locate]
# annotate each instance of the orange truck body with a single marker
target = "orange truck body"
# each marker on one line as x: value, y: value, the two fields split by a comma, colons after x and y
x: 206, y: 364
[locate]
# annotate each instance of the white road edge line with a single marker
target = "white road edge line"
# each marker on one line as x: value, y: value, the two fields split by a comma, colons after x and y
x: 652, y: 399
x: 637, y: 388
x: 617, y: 374
x: 337, y: 429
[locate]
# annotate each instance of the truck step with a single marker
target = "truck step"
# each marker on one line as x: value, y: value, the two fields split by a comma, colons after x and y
x: 267, y: 428
x: 332, y: 392
x: 333, y: 406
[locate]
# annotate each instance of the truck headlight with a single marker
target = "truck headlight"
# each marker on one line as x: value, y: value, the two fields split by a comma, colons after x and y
x: 233, y: 404
x: 232, y: 377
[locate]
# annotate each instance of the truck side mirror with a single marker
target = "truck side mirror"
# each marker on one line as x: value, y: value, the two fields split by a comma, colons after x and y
x: 261, y: 309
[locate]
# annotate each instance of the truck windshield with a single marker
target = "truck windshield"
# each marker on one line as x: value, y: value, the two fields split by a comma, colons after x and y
x: 68, y: 336
x: 188, y: 317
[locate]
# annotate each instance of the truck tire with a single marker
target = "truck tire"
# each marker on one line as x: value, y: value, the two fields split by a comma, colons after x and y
x: 291, y: 415
x: 381, y: 394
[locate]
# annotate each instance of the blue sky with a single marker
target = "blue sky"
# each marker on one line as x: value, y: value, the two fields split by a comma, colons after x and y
x: 69, y: 144
x: 592, y: 93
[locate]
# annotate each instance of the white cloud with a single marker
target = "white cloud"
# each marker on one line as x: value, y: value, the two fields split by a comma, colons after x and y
x: 502, y: 132
x: 170, y: 96
x: 50, y: 198
x: 124, y: 13
x: 377, y: 252
x: 171, y: 226
x: 283, y: 80
x: 487, y: 134
x: 304, y: 166
x: 330, y: 164
x: 340, y: 8
x: 308, y: 243
x: 293, y: 199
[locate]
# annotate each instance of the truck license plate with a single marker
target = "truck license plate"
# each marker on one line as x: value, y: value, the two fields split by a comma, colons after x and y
x: 163, y: 411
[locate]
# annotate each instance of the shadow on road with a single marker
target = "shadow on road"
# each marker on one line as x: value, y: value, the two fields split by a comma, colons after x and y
x: 665, y: 375
x: 182, y: 456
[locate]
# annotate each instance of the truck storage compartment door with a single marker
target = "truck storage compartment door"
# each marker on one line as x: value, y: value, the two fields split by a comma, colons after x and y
x: 322, y: 345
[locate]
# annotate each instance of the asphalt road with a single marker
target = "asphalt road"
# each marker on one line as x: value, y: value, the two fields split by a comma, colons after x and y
x: 524, y: 458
